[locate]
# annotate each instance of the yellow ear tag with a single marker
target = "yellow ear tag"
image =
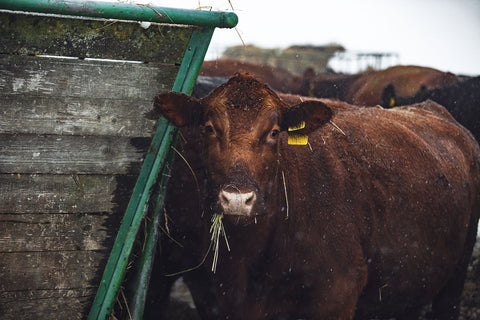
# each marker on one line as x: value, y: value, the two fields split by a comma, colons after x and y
x: 299, y: 126
x: 392, y: 102
x: 297, y: 139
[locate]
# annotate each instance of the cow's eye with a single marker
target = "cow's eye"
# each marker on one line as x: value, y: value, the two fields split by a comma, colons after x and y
x: 208, y: 129
x: 272, y: 135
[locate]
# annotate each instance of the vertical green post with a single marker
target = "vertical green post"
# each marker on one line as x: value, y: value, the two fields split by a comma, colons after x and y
x: 117, y: 262
x: 185, y: 81
x: 153, y: 166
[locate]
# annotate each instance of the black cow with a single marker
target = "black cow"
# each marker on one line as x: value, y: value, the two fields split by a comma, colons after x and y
x: 462, y: 100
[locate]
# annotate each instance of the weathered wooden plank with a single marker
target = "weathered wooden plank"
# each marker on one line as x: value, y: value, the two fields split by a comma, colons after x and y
x: 50, y: 270
x: 56, y: 77
x: 44, y: 193
x: 75, y: 116
x: 106, y: 39
x: 68, y: 304
x: 52, y: 232
x: 28, y: 153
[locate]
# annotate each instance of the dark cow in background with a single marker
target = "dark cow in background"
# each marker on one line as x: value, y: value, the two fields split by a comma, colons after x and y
x: 277, y: 78
x: 204, y: 85
x: 461, y: 99
x: 332, y: 86
x: 375, y: 216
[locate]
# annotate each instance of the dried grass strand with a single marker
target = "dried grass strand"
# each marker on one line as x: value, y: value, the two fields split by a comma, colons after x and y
x: 126, y: 304
x: 190, y: 168
x: 158, y: 14
x: 170, y: 237
x: 240, y: 36
x: 337, y: 127
x: 216, y: 229
x: 193, y: 268
x: 285, y: 189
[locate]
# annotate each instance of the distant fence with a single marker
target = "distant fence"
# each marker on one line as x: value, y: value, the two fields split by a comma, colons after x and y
x: 354, y: 61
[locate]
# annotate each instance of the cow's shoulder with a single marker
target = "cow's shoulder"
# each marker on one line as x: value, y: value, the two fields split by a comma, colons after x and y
x: 428, y: 108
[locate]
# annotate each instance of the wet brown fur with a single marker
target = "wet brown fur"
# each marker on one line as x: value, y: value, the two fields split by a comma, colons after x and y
x: 382, y: 220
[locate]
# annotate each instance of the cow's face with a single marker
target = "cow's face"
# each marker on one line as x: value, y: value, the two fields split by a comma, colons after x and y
x: 242, y: 123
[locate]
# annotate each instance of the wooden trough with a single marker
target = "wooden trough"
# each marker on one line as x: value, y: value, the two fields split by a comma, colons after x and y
x: 75, y: 93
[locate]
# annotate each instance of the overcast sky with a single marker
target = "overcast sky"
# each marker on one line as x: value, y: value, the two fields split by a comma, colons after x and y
x: 444, y: 34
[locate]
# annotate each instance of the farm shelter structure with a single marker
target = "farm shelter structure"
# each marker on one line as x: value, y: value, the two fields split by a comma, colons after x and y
x: 75, y: 93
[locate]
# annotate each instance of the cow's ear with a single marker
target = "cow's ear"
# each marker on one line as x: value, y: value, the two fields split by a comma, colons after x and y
x: 180, y: 109
x: 389, y: 97
x: 304, y: 118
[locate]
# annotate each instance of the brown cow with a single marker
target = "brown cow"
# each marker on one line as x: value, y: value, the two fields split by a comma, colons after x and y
x: 365, y: 89
x: 373, y: 217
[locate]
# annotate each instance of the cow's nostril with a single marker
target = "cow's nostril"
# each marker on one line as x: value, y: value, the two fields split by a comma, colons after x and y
x: 249, y: 200
x: 224, y: 198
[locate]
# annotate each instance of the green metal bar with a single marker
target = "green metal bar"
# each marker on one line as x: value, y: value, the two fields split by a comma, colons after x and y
x: 187, y: 75
x: 116, y: 265
x: 142, y: 277
x: 125, y: 11
x: 196, y: 51
x: 117, y: 262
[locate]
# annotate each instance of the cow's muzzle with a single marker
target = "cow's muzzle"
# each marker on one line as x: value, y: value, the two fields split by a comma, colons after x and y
x: 237, y: 203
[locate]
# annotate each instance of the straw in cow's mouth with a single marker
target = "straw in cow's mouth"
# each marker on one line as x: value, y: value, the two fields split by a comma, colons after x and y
x: 217, y: 229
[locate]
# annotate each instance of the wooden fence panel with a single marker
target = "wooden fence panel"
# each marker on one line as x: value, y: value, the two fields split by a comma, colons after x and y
x: 52, y: 232
x: 71, y: 304
x: 28, y: 153
x: 68, y: 193
x: 73, y: 135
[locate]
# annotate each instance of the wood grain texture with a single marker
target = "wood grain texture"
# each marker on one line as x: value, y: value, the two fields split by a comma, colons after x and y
x: 50, y: 270
x: 44, y: 285
x: 52, y: 232
x: 75, y: 116
x: 50, y: 194
x: 71, y: 304
x: 61, y: 77
x: 75, y: 97
x: 26, y: 153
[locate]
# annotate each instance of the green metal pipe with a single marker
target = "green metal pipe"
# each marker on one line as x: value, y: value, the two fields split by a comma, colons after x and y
x: 187, y: 74
x: 117, y: 262
x: 192, y: 60
x: 147, y: 258
x: 125, y: 11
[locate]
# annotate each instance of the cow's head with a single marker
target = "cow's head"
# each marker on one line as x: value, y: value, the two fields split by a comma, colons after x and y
x: 243, y: 122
